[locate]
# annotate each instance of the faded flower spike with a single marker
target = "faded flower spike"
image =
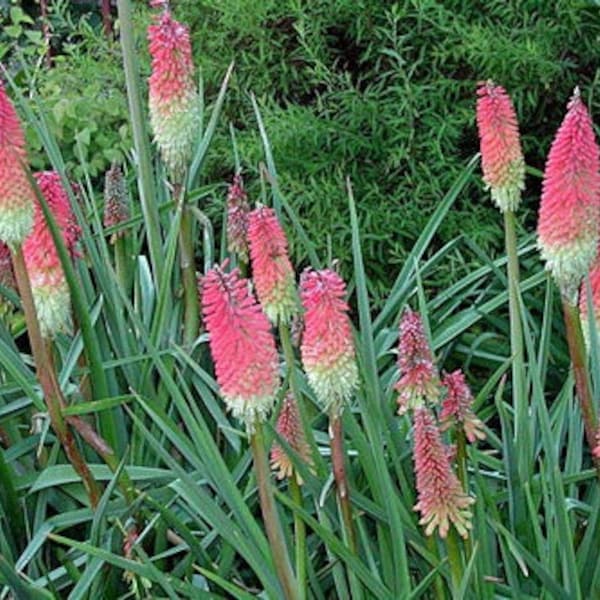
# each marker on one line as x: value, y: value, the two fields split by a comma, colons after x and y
x: 16, y: 194
x: 7, y: 276
x: 501, y: 156
x: 289, y: 427
x: 441, y: 500
x: 583, y: 301
x: 272, y: 271
x: 241, y: 344
x: 116, y: 204
x: 327, y: 347
x: 48, y: 283
x: 569, y: 209
x: 419, y: 381
x: 237, y: 219
x: 457, y: 407
x: 173, y: 95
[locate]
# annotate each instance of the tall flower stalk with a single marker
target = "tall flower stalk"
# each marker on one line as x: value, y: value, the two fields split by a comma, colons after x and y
x: 568, y: 227
x: 246, y: 366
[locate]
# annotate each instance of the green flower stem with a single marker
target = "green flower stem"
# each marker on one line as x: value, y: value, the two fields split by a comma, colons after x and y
x: 290, y: 361
x: 270, y: 517
x: 48, y: 380
x: 299, y: 537
x: 438, y: 582
x: 123, y: 262
x: 582, y: 377
x: 140, y: 138
x: 336, y: 439
x: 461, y: 467
x: 455, y: 560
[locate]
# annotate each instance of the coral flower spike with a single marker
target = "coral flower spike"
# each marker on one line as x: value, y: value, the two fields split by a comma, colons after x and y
x: 501, y: 156
x: 442, y: 500
x: 48, y: 283
x: 173, y: 95
x: 272, y: 271
x: 569, y: 209
x: 241, y: 344
x: 16, y: 194
x: 327, y: 348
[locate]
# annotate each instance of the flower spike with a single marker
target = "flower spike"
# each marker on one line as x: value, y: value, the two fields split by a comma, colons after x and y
x: 116, y: 205
x: 327, y: 347
x: 583, y: 301
x: 237, y: 219
x: 272, y: 271
x: 501, y: 156
x: 442, y: 500
x: 569, y: 209
x: 241, y: 344
x: 16, y: 193
x: 173, y: 96
x: 419, y: 381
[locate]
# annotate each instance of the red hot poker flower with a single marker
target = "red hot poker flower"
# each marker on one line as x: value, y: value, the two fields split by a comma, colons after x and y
x: 241, y: 344
x: 16, y: 194
x: 419, y: 381
x: 442, y: 500
x: 501, y: 155
x: 237, y: 219
x: 457, y: 407
x: 569, y: 209
x: 272, y: 271
x: 48, y: 282
x: 116, y: 204
x: 173, y: 97
x: 327, y: 347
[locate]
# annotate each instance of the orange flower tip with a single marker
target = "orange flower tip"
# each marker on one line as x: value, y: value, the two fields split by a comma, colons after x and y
x: 457, y: 407
x: 501, y: 156
x: 241, y: 344
x: 173, y: 98
x: 272, y: 271
x: 16, y: 193
x: 569, y: 212
x: 441, y: 499
x: 419, y: 381
x: 327, y: 348
x: 289, y: 427
x: 48, y: 283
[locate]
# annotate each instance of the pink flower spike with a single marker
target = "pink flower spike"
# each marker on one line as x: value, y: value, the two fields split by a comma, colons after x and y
x: 174, y: 99
x: 241, y: 344
x: 272, y: 271
x: 456, y: 407
x: 237, y: 219
x: 569, y: 209
x: 327, y: 346
x: 442, y: 500
x: 419, y: 381
x: 16, y: 193
x: 48, y: 282
x: 289, y: 427
x: 501, y: 156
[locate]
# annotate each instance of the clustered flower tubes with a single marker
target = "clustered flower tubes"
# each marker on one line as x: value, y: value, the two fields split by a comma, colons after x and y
x: 457, y: 407
x: 173, y: 96
x: 241, y: 344
x: 272, y: 271
x: 289, y: 427
x: 48, y: 283
x: 16, y: 193
x: 237, y: 219
x: 419, y: 381
x: 441, y: 498
x: 327, y: 348
x: 569, y: 209
x: 501, y: 155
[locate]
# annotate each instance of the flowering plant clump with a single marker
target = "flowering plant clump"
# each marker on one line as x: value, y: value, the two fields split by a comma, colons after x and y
x: 327, y: 348
x: 237, y: 219
x: 48, y: 283
x: 569, y: 209
x: 241, y: 344
x: 289, y: 427
x: 272, y: 271
x: 16, y: 193
x: 174, y: 100
x: 442, y: 500
x: 419, y: 380
x: 457, y: 407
